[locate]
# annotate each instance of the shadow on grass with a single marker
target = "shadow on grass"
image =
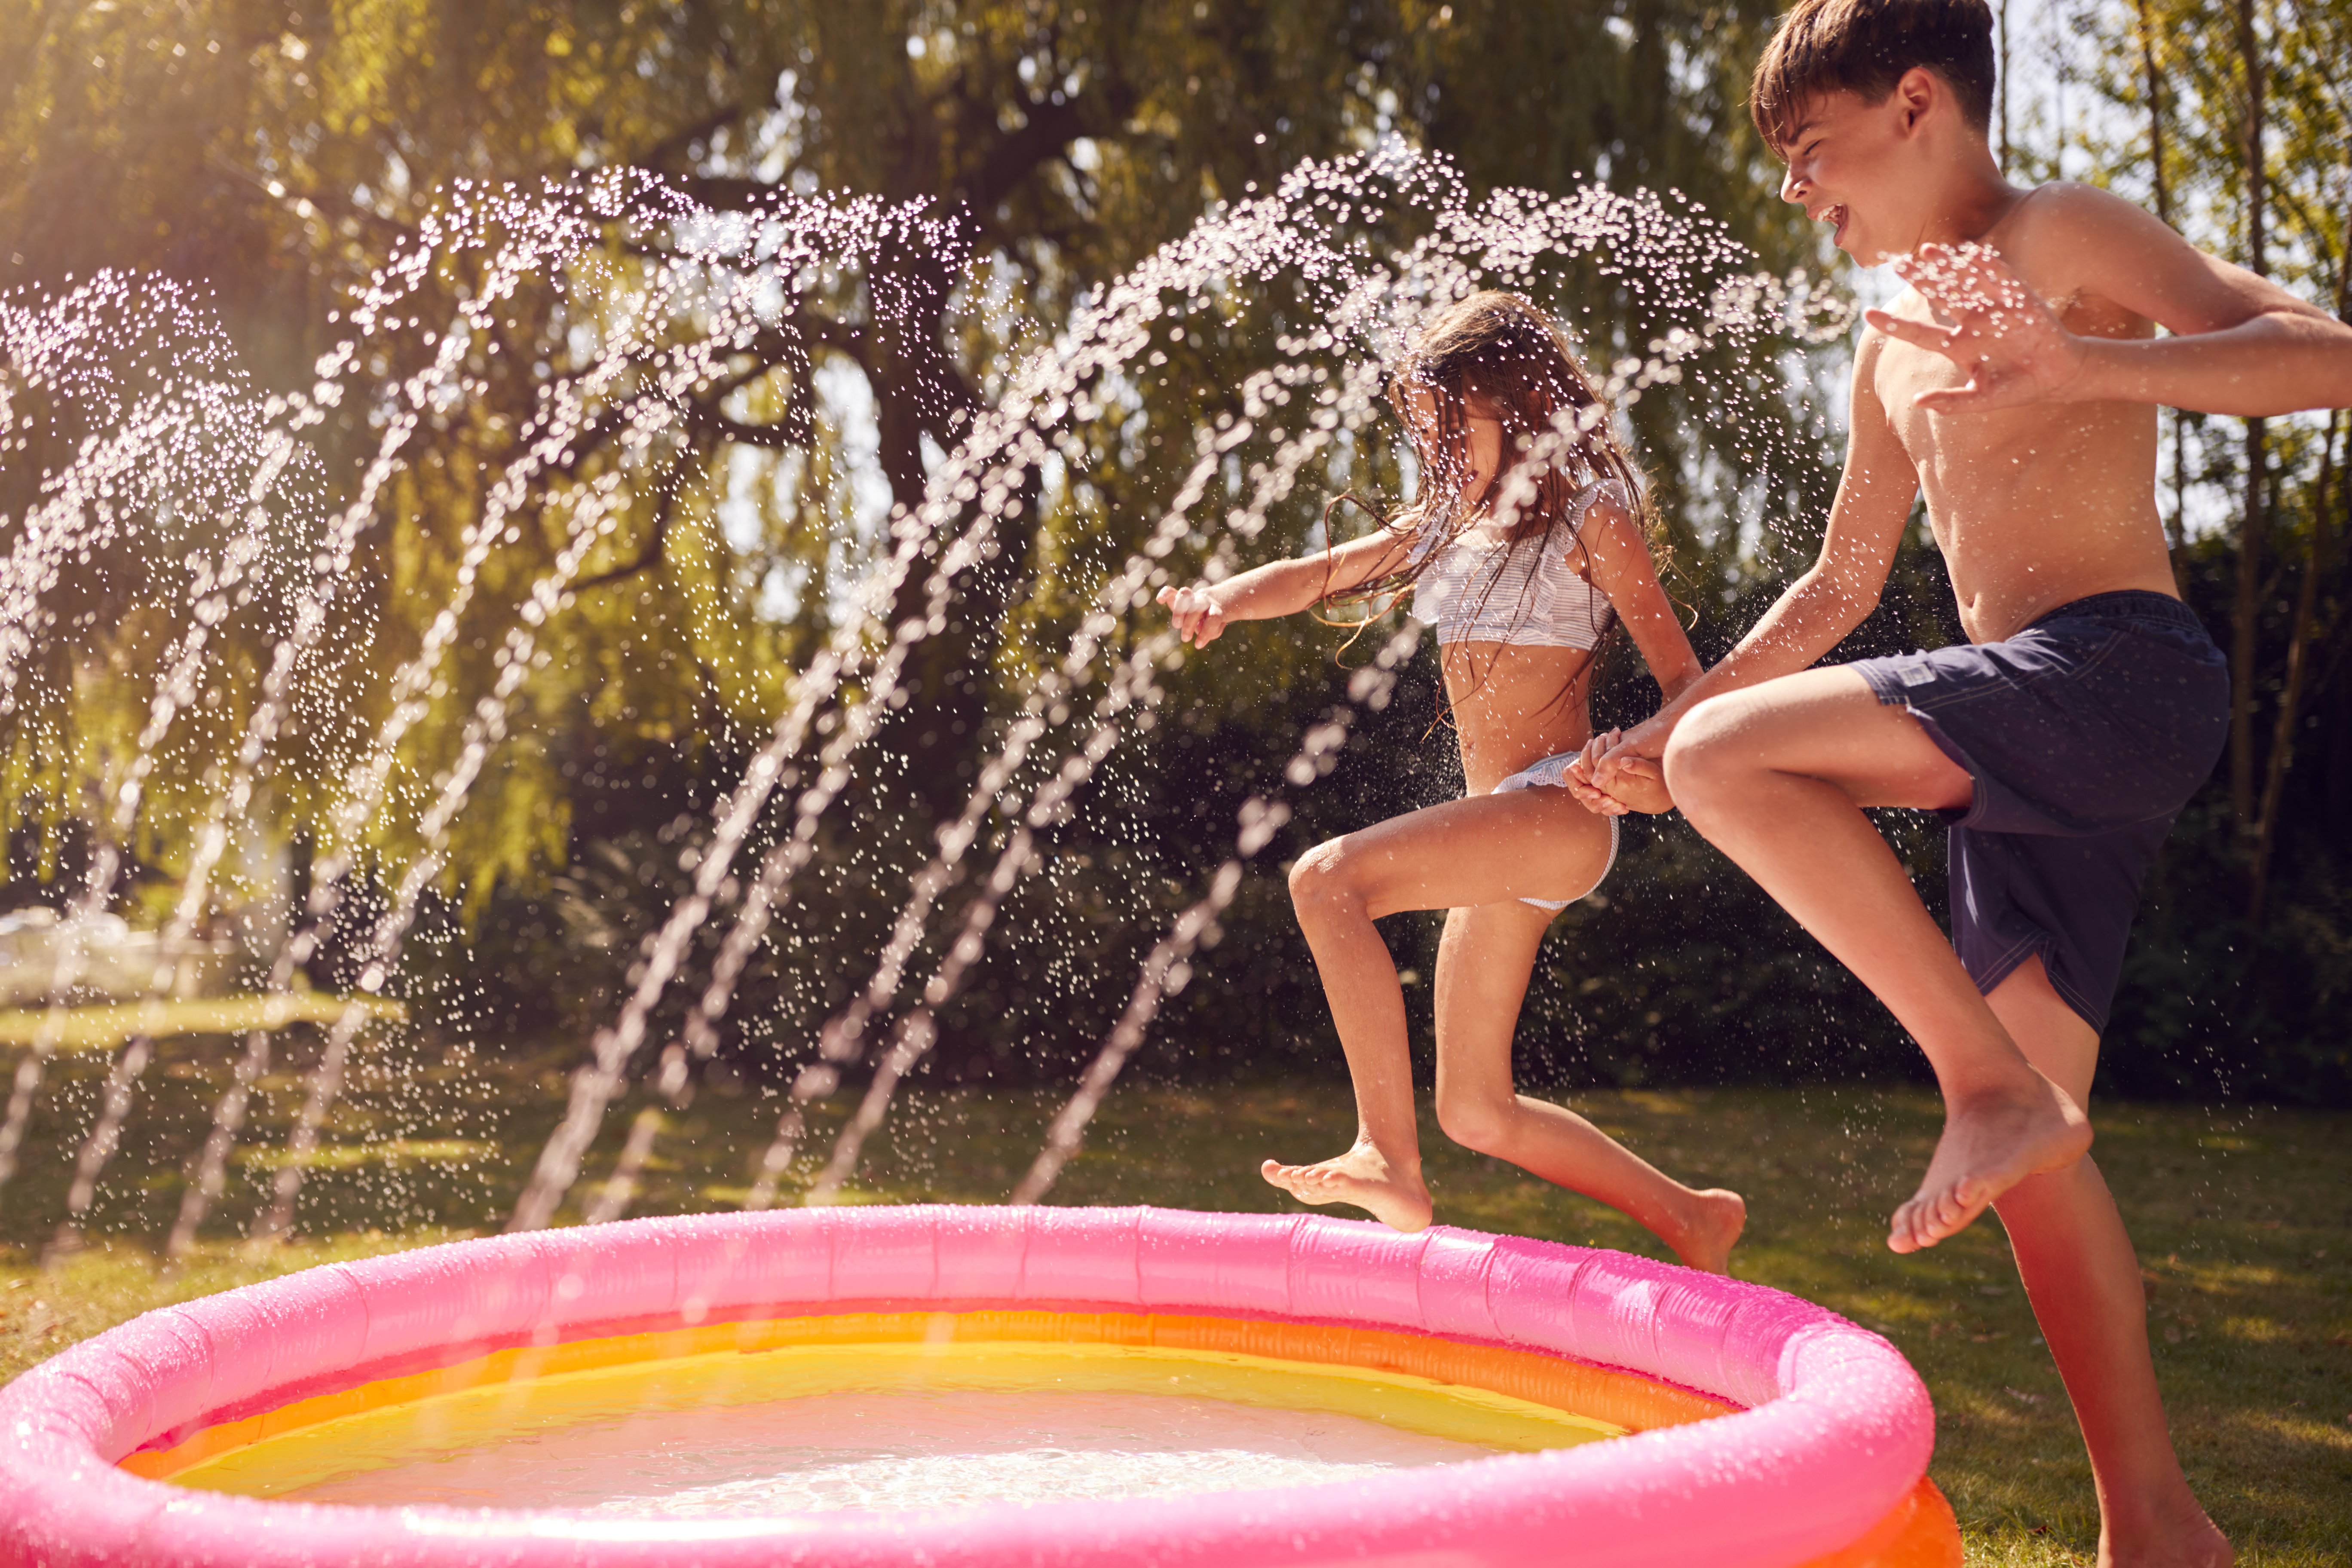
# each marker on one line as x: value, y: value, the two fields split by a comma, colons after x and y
x: 2244, y: 1219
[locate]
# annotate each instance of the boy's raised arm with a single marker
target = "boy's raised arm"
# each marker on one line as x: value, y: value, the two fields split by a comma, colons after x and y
x: 2241, y: 345
x: 1841, y: 587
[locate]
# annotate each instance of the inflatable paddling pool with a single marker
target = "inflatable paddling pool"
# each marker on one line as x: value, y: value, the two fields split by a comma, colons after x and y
x: 1493, y: 1400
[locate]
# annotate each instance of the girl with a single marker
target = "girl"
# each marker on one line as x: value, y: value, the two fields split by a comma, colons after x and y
x: 1521, y: 591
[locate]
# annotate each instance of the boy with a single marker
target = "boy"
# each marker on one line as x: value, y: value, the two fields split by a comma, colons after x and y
x: 2018, y: 390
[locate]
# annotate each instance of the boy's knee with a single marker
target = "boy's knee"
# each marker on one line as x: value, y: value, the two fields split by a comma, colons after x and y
x: 1477, y: 1121
x: 1319, y: 883
x: 1700, y: 759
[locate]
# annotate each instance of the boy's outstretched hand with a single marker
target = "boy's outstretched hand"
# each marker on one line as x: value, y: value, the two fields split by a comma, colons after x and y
x: 1198, y: 618
x: 1990, y: 325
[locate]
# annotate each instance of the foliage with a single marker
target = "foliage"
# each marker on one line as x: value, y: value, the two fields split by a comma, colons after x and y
x: 286, y: 156
x: 2240, y: 952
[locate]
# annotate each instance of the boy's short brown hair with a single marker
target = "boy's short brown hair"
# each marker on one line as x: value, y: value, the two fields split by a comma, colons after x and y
x: 1864, y: 47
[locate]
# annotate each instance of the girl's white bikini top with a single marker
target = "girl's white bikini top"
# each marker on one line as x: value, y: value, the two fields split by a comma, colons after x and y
x: 1481, y: 588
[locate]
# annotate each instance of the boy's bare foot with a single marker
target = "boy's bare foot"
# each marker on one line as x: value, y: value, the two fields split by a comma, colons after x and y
x: 2188, y: 1540
x: 1707, y: 1242
x: 1361, y: 1177
x: 1991, y: 1141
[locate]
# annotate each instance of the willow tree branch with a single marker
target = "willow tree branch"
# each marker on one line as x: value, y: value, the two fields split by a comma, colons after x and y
x: 656, y: 541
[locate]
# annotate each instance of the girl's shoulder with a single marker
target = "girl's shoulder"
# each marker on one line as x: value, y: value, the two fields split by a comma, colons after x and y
x: 1611, y: 489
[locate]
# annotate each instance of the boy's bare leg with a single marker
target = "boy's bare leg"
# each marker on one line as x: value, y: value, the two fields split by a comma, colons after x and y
x: 1484, y: 962
x: 2083, y: 1279
x: 1775, y: 776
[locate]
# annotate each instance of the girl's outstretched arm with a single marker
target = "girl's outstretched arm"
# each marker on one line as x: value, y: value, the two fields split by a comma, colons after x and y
x: 1281, y: 587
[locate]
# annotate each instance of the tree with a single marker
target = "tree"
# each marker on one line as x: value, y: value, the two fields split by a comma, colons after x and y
x: 285, y: 156
x: 2247, y: 157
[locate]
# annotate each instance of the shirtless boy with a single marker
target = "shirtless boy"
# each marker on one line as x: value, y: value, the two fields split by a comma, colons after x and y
x: 2018, y: 391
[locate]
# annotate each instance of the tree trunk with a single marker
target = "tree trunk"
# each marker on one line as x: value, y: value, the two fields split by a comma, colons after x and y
x: 2298, y: 652
x: 2177, y: 532
x: 2247, y: 643
x: 2003, y: 80
x: 919, y: 392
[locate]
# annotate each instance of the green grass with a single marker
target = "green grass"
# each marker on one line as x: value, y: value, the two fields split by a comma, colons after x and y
x: 2244, y: 1219
x: 108, y: 1025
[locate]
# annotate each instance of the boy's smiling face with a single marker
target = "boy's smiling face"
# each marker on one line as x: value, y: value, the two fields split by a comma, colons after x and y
x: 1860, y: 167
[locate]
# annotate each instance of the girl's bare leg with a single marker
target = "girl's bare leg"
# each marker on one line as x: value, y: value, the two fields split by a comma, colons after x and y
x: 1333, y: 887
x: 1483, y: 963
x: 1476, y: 857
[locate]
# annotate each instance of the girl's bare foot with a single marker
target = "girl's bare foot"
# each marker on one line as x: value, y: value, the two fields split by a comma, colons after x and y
x: 1721, y: 1214
x: 1991, y: 1141
x: 1361, y: 1176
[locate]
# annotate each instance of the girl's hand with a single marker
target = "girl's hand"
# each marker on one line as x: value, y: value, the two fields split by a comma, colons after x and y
x: 1198, y: 618
x: 1617, y: 762
x: 1631, y: 783
x: 1579, y: 778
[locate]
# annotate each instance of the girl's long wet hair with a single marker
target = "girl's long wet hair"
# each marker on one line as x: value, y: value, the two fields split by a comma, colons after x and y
x: 1498, y: 349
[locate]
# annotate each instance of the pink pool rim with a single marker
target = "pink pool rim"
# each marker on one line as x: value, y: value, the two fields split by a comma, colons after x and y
x: 1829, y: 1432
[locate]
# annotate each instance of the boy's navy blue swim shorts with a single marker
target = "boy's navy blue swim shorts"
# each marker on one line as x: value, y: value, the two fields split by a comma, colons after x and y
x: 2085, y: 733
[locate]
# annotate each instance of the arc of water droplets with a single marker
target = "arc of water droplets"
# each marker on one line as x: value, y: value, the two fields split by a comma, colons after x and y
x: 730, y: 326
x: 208, y: 1177
x: 1236, y: 248
x: 176, y: 689
x: 1107, y: 337
x: 841, y: 1039
x: 209, y: 591
x: 106, y: 1133
x: 330, y: 562
x: 699, y: 1038
x: 60, y: 345
x: 597, y: 1081
x: 916, y: 1032
x: 1739, y: 305
x: 551, y: 240
x: 97, y: 892
x: 1117, y: 331
x: 1132, y: 684
x: 1168, y: 968
x: 593, y: 519
x: 330, y: 565
x: 484, y: 729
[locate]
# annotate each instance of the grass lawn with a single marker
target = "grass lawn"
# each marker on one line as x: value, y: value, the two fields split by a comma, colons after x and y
x: 105, y: 1026
x: 2244, y: 1219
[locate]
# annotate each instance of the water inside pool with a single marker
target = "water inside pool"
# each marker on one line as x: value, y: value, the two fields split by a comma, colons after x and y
x: 891, y: 1450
